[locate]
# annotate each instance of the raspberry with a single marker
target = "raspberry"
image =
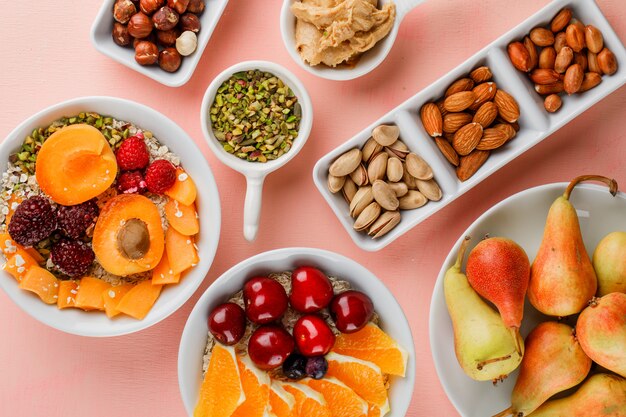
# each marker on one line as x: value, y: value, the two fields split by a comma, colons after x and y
x: 160, y: 176
x: 132, y: 154
x: 131, y: 182
x: 75, y: 220
x: 72, y: 257
x: 33, y: 221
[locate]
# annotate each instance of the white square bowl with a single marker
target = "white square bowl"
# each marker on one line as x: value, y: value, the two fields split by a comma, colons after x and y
x: 103, y: 41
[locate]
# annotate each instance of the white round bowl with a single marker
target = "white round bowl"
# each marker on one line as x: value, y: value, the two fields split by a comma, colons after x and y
x: 97, y: 324
x: 520, y: 217
x: 255, y: 172
x: 394, y: 322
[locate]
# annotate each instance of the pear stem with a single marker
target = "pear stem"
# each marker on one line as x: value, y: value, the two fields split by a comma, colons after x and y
x: 461, y: 254
x: 516, y: 337
x: 611, y: 183
x: 482, y: 364
x: 506, y: 412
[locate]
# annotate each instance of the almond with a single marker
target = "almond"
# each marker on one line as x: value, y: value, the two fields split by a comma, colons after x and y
x: 532, y: 52
x: 563, y: 59
x: 518, y: 54
x: 492, y: 139
x: 591, y: 80
x: 448, y: 151
x: 542, y: 37
x: 484, y: 92
x: 607, y: 62
x: 560, y: 41
x: 454, y: 121
x: 463, y: 84
x: 459, y: 101
x: 547, y: 57
x: 510, y: 129
x: 573, y: 79
x: 575, y: 37
x: 480, y: 75
x: 593, y: 39
x: 544, y: 89
x: 486, y: 114
x: 466, y: 138
x: 552, y: 103
x: 469, y: 164
x: 508, y: 108
x: 544, y: 76
x: 592, y: 62
x: 561, y: 20
x: 580, y: 58
x: 442, y: 109
x: 431, y: 119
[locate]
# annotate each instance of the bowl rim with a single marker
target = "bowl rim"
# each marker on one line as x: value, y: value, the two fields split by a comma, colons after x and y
x: 212, y: 239
x: 321, y: 255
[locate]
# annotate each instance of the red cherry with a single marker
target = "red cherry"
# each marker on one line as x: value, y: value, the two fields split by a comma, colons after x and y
x: 270, y: 346
x: 351, y: 310
x: 227, y: 322
x: 313, y: 336
x: 265, y: 299
x: 311, y: 290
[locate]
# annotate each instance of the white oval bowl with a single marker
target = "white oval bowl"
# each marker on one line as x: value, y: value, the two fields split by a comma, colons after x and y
x: 520, y: 217
x: 97, y: 324
x: 394, y: 322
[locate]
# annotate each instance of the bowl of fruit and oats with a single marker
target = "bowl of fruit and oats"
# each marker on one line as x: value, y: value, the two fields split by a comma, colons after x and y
x: 109, y: 216
x: 297, y: 331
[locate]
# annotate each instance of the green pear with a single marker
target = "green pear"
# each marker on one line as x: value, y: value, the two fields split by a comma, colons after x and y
x: 602, y: 395
x: 562, y: 279
x: 601, y: 330
x: 484, y: 346
x: 553, y: 362
x: 609, y: 262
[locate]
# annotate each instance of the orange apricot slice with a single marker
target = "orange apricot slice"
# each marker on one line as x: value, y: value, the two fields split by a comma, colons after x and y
x: 282, y: 403
x: 365, y: 378
x: 138, y: 301
x: 41, y: 282
x: 309, y: 403
x: 373, y: 345
x: 18, y: 264
x: 256, y: 388
x: 222, y: 391
x: 341, y: 399
x: 184, y: 190
x: 182, y: 218
x: 163, y: 273
x: 9, y: 247
x: 128, y: 237
x: 12, y: 203
x: 89, y: 295
x: 181, y: 251
x: 112, y: 297
x: 75, y: 164
x: 67, y: 294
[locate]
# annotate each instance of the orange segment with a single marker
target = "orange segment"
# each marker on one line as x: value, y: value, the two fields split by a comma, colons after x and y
x: 373, y: 345
x: 67, y: 294
x: 221, y: 392
x: 365, y: 378
x: 375, y: 411
x: 282, y: 403
x: 112, y: 297
x: 342, y: 400
x: 182, y: 218
x: 256, y: 388
x: 183, y: 190
x: 90, y: 291
x: 138, y: 301
x: 181, y: 251
x: 309, y: 403
x: 43, y: 283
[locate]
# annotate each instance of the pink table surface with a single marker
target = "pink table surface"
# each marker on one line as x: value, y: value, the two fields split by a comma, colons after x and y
x: 47, y: 58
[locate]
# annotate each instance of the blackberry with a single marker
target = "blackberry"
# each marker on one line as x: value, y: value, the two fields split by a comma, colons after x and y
x: 72, y: 257
x: 316, y: 367
x: 73, y: 221
x: 294, y: 365
x: 33, y: 221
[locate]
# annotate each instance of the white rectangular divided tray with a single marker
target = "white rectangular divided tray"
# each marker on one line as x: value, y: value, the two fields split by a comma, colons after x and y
x: 535, y: 123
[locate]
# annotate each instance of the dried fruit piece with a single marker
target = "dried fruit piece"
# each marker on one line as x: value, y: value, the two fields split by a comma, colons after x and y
x: 508, y: 108
x: 518, y: 54
x: 573, y: 79
x: 552, y: 103
x: 466, y: 138
x: 561, y: 20
x: 469, y: 164
x: 432, y: 119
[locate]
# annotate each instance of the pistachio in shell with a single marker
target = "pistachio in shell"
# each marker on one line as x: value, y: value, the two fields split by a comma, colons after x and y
x: 386, y: 134
x: 361, y: 199
x: 377, y: 168
x: 346, y: 163
x: 367, y: 216
x: 394, y: 169
x: 370, y: 149
x: 387, y: 221
x: 384, y: 195
x: 430, y: 189
x: 399, y: 188
x: 418, y: 167
x: 335, y: 184
x: 409, y: 180
x: 348, y: 190
x: 397, y: 149
x: 412, y: 200
x: 359, y: 176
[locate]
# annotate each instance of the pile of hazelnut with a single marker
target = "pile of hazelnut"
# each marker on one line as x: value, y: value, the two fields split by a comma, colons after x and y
x: 147, y: 24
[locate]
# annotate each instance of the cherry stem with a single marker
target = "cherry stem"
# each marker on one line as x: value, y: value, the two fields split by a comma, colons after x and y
x: 506, y: 412
x: 482, y: 364
x: 611, y: 183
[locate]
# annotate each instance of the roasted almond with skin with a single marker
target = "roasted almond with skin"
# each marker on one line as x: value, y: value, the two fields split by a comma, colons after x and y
x: 555, y: 88
x: 335, y: 184
x: 346, y: 163
x: 561, y: 20
x: 466, y: 138
x: 484, y: 92
x: 395, y: 170
x: 547, y: 58
x: 418, y: 167
x: 532, y: 52
x: 486, y: 114
x: 359, y: 175
x: 591, y: 80
x: 400, y: 188
x: 432, y: 119
x: 430, y: 189
x: 370, y: 149
x: 480, y: 75
x: 361, y: 199
x: 377, y: 169
x: 448, y: 151
x: 573, y: 79
x: 367, y: 217
x: 592, y: 62
x: 386, y: 222
x: 442, y: 110
x: 492, y: 138
x: 454, y: 121
x: 459, y: 101
x: 563, y: 59
x: 542, y: 36
x: 593, y: 39
x: 386, y: 134
x: 349, y: 190
x: 469, y: 164
x: 508, y: 108
x: 463, y: 84
x: 607, y: 62
x: 575, y: 37
x: 552, y: 103
x: 508, y: 129
x: 518, y: 54
x: 412, y: 200
x: 544, y: 76
x: 384, y: 195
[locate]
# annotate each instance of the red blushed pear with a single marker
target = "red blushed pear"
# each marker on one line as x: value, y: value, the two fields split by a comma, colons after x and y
x: 562, y: 278
x: 499, y: 270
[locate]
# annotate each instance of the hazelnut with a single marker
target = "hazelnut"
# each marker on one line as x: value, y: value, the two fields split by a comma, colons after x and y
x: 179, y: 5
x: 139, y: 26
x: 150, y: 6
x: 120, y: 34
x: 123, y: 10
x: 150, y: 38
x: 196, y: 6
x: 169, y: 59
x: 190, y: 21
x: 167, y: 37
x: 146, y: 53
x: 165, y: 18
x: 187, y: 43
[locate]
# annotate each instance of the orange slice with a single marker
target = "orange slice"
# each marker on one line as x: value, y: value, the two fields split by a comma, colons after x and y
x: 373, y: 345
x: 221, y: 392
x: 341, y: 399
x: 375, y: 411
x: 282, y: 403
x: 365, y: 378
x: 309, y: 403
x: 256, y: 388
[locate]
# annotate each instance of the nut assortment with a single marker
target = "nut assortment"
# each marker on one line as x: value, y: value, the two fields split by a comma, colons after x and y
x: 380, y: 179
x: 473, y: 118
x: 572, y: 58
x: 172, y: 25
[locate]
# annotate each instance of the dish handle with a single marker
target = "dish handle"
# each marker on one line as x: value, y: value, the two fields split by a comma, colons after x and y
x: 252, y: 206
x: 403, y: 7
